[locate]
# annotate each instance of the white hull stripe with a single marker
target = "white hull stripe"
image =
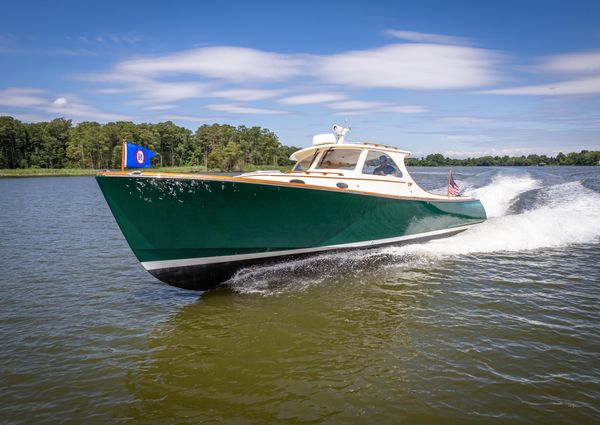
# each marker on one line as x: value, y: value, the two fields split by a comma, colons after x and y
x: 156, y: 265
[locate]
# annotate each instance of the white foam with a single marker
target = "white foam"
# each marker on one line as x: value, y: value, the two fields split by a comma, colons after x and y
x: 565, y: 214
x: 498, y: 196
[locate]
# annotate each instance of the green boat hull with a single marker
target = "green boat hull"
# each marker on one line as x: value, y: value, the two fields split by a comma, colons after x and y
x: 196, y: 233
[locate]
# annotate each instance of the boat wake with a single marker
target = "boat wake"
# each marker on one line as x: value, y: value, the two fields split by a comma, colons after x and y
x: 550, y: 217
x: 523, y: 215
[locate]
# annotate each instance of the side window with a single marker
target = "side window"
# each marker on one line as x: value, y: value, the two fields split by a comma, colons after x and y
x: 304, y: 164
x: 380, y: 164
x: 340, y: 159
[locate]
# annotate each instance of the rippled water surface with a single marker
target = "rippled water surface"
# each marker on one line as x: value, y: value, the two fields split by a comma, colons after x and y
x: 499, y: 324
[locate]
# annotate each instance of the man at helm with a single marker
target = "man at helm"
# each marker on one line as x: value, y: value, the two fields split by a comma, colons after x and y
x: 384, y: 168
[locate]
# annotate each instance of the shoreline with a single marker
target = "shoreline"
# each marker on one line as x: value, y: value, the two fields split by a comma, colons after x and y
x: 78, y: 172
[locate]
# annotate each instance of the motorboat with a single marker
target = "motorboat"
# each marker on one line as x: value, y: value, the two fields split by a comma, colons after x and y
x: 196, y: 231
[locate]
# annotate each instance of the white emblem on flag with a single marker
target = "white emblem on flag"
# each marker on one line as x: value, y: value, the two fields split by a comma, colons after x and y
x: 139, y: 157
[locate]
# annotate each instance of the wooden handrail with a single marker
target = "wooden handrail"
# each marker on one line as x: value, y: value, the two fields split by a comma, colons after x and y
x: 314, y: 172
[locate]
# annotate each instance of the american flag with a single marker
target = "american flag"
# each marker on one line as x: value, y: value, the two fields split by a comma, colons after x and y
x: 453, y: 189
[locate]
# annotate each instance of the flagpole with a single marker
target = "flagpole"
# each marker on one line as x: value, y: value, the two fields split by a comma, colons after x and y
x: 448, y: 187
x: 123, y: 155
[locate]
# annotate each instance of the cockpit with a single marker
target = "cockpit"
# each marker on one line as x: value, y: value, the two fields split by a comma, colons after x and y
x: 369, y: 161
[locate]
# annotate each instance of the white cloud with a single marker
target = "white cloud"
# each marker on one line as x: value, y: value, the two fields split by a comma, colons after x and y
x: 312, y: 98
x: 112, y: 91
x: 491, y: 152
x: 579, y: 62
x: 582, y: 67
x: 160, y: 80
x: 403, y: 66
x: 350, y: 113
x: 158, y: 107
x: 406, y: 109
x: 412, y: 66
x: 240, y: 109
x: 63, y: 106
x: 131, y: 38
x: 189, y: 118
x: 586, y: 86
x: 360, y: 107
x: 21, y: 97
x: 423, y: 37
x: 73, y: 107
x: 146, y: 77
x: 244, y: 95
x: 114, y: 76
x: 127, y: 38
x: 60, y: 102
x: 151, y: 92
x: 355, y: 104
x: 468, y: 138
x: 170, y: 92
x: 464, y: 120
x: 228, y: 63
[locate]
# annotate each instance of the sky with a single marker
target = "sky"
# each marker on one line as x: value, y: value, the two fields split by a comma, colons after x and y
x: 462, y: 78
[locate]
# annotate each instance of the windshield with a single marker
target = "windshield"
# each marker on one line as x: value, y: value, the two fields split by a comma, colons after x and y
x: 340, y: 159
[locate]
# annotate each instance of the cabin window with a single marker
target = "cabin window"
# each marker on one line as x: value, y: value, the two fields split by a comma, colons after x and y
x: 304, y: 164
x: 340, y: 159
x: 379, y: 163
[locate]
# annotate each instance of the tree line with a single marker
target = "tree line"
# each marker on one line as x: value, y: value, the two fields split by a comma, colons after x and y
x: 60, y: 144
x: 582, y: 158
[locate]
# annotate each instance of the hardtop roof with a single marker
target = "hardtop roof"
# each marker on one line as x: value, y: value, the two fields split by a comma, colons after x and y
x: 303, y: 153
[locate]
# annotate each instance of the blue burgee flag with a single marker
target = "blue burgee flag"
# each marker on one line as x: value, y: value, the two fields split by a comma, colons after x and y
x: 137, y: 156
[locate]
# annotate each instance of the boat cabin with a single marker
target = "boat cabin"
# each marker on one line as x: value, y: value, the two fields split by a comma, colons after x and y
x: 331, y: 162
x: 360, y: 159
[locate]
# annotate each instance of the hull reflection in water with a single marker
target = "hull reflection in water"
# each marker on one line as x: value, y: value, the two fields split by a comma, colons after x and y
x: 225, y: 360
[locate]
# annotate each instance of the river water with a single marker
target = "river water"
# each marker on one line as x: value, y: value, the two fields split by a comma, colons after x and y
x: 499, y: 324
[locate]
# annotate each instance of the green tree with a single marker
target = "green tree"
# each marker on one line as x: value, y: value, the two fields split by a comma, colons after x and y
x: 48, y: 143
x: 115, y: 133
x: 231, y: 155
x: 88, y: 146
x: 171, y: 137
x: 13, y: 143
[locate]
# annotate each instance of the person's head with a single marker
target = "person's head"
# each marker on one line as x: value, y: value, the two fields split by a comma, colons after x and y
x: 383, y: 159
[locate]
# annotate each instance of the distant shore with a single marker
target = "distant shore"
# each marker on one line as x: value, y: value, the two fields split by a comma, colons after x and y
x: 65, y: 172
x: 43, y: 172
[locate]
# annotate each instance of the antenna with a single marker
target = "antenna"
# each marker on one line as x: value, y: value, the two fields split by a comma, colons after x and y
x: 347, y: 123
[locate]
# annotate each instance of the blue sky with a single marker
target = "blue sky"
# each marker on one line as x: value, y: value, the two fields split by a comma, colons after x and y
x: 464, y: 78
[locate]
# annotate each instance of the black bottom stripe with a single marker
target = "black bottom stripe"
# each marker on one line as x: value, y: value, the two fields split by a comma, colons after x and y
x: 206, y: 276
